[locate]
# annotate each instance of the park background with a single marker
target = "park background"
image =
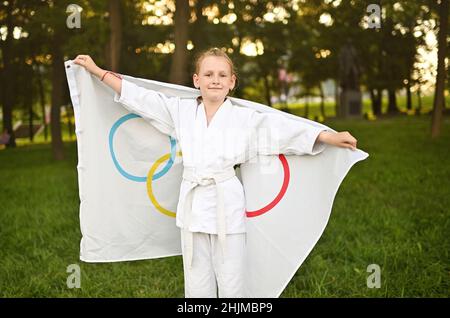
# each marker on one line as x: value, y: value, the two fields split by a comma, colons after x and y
x: 391, y: 210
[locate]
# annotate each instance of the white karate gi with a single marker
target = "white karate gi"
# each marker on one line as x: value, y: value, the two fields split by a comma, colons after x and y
x: 212, y: 198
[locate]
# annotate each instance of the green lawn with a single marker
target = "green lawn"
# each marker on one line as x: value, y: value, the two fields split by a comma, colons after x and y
x: 391, y: 210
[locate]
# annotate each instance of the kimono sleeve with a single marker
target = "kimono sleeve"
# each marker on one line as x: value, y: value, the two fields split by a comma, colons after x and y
x: 154, y: 107
x: 272, y: 134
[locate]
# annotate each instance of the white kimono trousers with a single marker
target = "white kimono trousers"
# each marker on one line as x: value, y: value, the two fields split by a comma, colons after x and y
x: 211, y: 196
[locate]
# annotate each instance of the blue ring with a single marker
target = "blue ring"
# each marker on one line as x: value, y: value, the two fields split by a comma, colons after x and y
x: 156, y: 176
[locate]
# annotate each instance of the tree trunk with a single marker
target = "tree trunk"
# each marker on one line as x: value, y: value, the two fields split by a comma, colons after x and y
x: 198, y: 28
x: 419, y: 101
x: 438, y: 103
x: 68, y: 117
x: 8, y: 72
x: 306, y: 113
x: 336, y: 97
x: 42, y: 100
x: 375, y: 97
x: 29, y: 99
x: 267, y: 90
x: 115, y: 40
x: 58, y: 83
x: 392, y: 102
x: 322, y: 100
x: 178, y: 68
x: 408, y: 95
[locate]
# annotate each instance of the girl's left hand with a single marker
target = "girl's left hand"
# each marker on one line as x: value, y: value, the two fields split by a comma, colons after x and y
x: 341, y: 139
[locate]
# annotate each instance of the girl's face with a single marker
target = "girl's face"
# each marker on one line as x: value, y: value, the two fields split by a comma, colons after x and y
x: 214, y: 79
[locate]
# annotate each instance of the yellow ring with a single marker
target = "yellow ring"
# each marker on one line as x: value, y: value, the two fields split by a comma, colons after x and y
x: 149, y: 185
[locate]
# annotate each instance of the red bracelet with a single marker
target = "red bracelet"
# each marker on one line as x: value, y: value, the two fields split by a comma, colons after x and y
x: 112, y: 73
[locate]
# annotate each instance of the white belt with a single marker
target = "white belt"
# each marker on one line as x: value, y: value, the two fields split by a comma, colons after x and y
x: 204, y: 180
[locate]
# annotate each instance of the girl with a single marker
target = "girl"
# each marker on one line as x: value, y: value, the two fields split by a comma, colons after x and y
x: 214, y: 137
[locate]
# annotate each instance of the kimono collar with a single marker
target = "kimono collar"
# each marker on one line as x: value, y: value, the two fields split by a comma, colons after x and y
x: 226, y: 101
x: 218, y: 117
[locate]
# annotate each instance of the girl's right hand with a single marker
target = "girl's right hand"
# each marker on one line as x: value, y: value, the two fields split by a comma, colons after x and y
x: 88, y: 63
x: 340, y: 139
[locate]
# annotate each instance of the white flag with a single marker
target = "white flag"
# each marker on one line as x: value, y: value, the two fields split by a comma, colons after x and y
x: 129, y: 175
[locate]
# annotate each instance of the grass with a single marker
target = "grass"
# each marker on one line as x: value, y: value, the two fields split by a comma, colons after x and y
x: 391, y: 210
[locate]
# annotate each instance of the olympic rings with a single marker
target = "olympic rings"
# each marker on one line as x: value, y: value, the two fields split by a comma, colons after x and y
x: 170, y: 158
x: 280, y: 194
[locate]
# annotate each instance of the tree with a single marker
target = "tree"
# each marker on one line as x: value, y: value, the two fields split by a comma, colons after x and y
x: 115, y: 41
x: 438, y: 103
x: 178, y: 68
x: 8, y: 71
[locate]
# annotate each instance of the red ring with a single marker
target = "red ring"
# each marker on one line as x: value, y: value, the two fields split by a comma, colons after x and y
x: 280, y: 195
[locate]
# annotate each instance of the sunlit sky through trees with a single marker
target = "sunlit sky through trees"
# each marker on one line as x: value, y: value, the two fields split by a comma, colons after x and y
x: 161, y: 12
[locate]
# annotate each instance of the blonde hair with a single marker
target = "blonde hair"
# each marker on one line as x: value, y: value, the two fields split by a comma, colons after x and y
x: 215, y: 52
